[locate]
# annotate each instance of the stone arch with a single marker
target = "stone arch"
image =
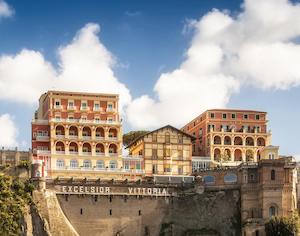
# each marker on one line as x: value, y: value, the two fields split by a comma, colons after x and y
x: 73, y: 147
x: 217, y: 154
x: 238, y: 155
x: 113, y: 133
x: 113, y: 148
x: 249, y: 141
x: 238, y: 140
x: 86, y: 148
x: 100, y: 132
x: 227, y: 140
x: 100, y: 148
x: 217, y: 140
x: 59, y: 130
x: 60, y: 146
x: 73, y: 131
x: 261, y: 142
x: 86, y: 132
x: 227, y: 154
x: 249, y: 155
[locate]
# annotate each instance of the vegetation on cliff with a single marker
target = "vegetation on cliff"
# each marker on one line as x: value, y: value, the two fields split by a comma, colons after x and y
x: 282, y: 226
x: 132, y: 135
x: 15, y: 194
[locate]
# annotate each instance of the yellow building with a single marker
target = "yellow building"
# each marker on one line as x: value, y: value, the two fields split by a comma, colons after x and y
x: 165, y: 151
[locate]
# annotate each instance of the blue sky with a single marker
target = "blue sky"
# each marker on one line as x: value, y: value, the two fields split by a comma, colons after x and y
x: 146, y: 38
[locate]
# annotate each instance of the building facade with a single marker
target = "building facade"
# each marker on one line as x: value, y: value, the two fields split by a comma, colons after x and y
x: 165, y: 151
x: 14, y: 157
x: 229, y: 136
x: 78, y: 135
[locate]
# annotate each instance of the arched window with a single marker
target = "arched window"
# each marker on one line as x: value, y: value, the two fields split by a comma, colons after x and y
x: 217, y: 140
x: 272, y: 174
x: 87, y: 164
x: 73, y: 164
x: 60, y: 164
x: 272, y: 211
x: 113, y: 165
x: 100, y: 164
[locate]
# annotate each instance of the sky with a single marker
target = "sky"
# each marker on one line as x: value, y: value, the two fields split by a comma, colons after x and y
x: 168, y: 60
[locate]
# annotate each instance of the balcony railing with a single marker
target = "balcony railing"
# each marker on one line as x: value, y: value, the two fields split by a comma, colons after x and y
x: 113, y: 154
x: 83, y: 121
x: 133, y: 157
x: 113, y: 138
x: 43, y: 152
x: 60, y: 152
x: 88, y: 137
x: 60, y: 136
x: 73, y: 136
x: 100, y: 153
x: 99, y: 137
x: 96, y: 169
x: 86, y: 153
x: 73, y: 152
x: 42, y: 138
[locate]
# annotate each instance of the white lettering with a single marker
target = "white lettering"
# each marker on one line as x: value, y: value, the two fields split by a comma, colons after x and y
x: 81, y: 189
x: 107, y: 189
x: 75, y: 189
x: 130, y: 190
x: 149, y: 191
x: 92, y: 189
x: 64, y: 189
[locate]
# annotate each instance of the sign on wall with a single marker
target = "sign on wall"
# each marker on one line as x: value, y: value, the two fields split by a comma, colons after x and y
x: 112, y: 190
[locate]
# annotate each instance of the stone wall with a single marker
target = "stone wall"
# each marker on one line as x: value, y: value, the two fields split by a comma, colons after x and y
x: 210, y: 213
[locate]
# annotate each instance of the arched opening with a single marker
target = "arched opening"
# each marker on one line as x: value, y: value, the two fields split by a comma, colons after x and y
x: 217, y: 154
x: 60, y: 148
x: 73, y: 148
x: 273, y: 175
x: 113, y: 164
x: 99, y: 133
x: 249, y: 141
x: 258, y: 155
x: 217, y: 140
x: 238, y: 155
x: 73, y: 164
x: 261, y: 142
x: 230, y: 178
x: 113, y: 150
x: 272, y: 211
x: 87, y: 164
x: 209, y: 179
x: 238, y: 141
x: 113, y: 133
x: 249, y: 155
x: 60, y: 131
x: 227, y: 155
x: 86, y: 133
x: 227, y: 140
x: 100, y: 164
x: 73, y: 132
x: 100, y: 149
x: 60, y: 164
x: 86, y: 149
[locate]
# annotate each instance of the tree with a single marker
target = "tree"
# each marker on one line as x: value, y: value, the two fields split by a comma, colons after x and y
x: 281, y: 226
x: 132, y: 135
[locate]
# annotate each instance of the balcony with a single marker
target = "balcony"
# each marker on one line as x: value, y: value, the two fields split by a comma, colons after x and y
x: 42, y: 138
x: 99, y: 138
x: 60, y: 136
x: 113, y: 138
x: 113, y: 154
x: 86, y: 153
x: 73, y: 136
x: 82, y: 121
x: 71, y: 108
x: 97, y: 169
x: 43, y: 152
x: 73, y: 152
x: 87, y: 137
x: 100, y: 154
x: 60, y: 152
x: 133, y: 157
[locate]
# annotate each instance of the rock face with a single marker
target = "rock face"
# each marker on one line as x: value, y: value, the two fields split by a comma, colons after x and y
x: 189, y: 214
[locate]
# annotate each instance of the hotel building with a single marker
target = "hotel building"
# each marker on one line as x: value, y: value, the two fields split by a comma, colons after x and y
x: 166, y: 151
x: 80, y: 135
x: 229, y: 136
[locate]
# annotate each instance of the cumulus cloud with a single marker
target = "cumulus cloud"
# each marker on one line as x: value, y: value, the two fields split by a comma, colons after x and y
x: 257, y: 47
x: 84, y: 65
x: 8, y: 131
x: 5, y: 10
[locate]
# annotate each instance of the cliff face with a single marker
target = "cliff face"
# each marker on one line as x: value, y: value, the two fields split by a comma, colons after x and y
x: 209, y: 213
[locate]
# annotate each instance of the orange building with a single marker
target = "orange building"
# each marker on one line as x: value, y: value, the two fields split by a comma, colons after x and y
x: 229, y: 136
x: 78, y: 135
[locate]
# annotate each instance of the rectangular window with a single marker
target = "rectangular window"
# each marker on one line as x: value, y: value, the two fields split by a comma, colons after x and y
x: 212, y: 115
x: 154, y: 138
x: 233, y: 116
x: 96, y: 106
x: 245, y: 116
x: 224, y: 116
x: 83, y: 105
x: 154, y: 153
x: 70, y: 105
x: 257, y: 117
x: 167, y: 152
x: 154, y: 169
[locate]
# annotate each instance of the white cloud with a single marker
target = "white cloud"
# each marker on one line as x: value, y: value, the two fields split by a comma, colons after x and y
x: 255, y: 48
x: 8, y: 131
x: 5, y: 9
x: 84, y: 65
